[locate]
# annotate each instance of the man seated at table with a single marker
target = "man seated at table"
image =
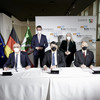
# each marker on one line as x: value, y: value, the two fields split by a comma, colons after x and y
x: 53, y: 58
x: 17, y: 59
x: 84, y: 57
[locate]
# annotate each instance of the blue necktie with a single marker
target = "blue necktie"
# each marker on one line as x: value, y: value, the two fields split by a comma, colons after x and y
x: 53, y: 59
x: 16, y: 62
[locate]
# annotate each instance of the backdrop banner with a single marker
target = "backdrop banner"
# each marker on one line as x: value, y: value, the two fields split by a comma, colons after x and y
x: 82, y: 28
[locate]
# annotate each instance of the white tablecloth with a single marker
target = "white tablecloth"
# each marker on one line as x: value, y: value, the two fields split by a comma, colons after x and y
x: 75, y: 85
x: 20, y: 87
x: 35, y: 84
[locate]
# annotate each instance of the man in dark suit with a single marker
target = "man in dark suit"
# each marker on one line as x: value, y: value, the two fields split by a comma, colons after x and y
x: 53, y: 58
x: 39, y: 43
x: 68, y: 47
x: 17, y: 59
x: 84, y: 58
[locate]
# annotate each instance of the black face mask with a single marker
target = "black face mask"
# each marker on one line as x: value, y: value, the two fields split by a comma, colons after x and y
x: 53, y: 48
x: 84, y: 48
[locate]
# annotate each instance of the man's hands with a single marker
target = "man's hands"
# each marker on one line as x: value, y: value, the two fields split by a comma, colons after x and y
x: 46, y: 68
x: 91, y: 66
x: 52, y: 67
x: 83, y: 66
x: 39, y: 48
x: 67, y: 52
x: 27, y: 67
x: 6, y: 68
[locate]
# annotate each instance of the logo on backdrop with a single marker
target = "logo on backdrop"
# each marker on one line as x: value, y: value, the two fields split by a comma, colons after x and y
x: 86, y: 28
x: 90, y: 20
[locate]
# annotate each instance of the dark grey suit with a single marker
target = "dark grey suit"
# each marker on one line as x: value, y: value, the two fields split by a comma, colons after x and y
x: 80, y: 59
x: 48, y: 56
x: 23, y: 57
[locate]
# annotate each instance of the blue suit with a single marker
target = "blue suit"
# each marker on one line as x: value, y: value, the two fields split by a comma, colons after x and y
x: 23, y: 57
x: 39, y: 53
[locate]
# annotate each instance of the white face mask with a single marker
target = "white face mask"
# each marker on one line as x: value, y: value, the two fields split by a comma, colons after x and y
x: 39, y: 32
x: 16, y: 50
x: 68, y: 38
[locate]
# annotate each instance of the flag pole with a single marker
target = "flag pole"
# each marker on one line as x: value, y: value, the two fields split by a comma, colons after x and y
x: 27, y: 22
x: 12, y: 24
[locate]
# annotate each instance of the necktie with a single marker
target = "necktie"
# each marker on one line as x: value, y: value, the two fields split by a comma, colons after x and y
x: 16, y: 62
x: 84, y: 54
x: 53, y: 59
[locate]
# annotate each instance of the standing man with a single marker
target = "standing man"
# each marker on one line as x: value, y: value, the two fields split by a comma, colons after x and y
x: 39, y: 43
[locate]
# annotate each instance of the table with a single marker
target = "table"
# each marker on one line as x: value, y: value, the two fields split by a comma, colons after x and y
x: 20, y: 87
x: 75, y: 85
x: 35, y: 84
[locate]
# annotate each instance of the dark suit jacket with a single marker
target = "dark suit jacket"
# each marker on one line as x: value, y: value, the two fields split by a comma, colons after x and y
x: 48, y: 56
x: 35, y: 43
x: 23, y: 57
x: 88, y: 60
x: 72, y: 48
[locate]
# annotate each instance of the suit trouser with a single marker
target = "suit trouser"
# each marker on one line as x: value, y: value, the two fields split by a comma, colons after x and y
x: 36, y: 57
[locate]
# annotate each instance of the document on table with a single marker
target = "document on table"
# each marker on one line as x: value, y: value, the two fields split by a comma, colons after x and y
x: 46, y: 71
x: 49, y: 70
x: 1, y: 70
x: 20, y: 70
x: 87, y: 70
x: 96, y: 68
x: 32, y: 72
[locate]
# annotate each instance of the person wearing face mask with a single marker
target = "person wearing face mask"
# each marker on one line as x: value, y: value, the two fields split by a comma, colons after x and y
x: 68, y: 47
x: 39, y: 44
x: 53, y: 58
x: 17, y: 59
x: 84, y: 57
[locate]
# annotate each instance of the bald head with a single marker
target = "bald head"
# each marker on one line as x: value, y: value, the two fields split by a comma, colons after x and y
x: 84, y: 45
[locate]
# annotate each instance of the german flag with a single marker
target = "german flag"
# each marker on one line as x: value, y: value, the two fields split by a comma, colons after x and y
x: 11, y: 41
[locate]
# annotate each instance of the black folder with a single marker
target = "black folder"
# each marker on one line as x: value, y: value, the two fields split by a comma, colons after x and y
x: 7, y: 74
